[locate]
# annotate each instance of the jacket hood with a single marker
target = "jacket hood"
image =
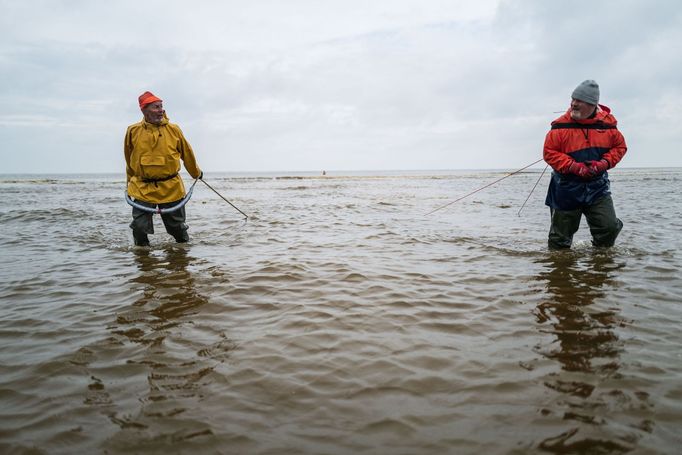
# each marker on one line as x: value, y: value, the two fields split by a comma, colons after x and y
x: 603, y: 115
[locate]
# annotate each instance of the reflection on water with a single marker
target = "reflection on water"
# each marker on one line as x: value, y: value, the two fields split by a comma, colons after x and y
x: 587, y: 348
x: 168, y: 283
x: 175, y: 368
x: 586, y: 341
x: 168, y: 294
x: 339, y: 319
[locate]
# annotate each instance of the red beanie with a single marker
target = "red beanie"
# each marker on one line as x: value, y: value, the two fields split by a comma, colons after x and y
x: 147, y: 98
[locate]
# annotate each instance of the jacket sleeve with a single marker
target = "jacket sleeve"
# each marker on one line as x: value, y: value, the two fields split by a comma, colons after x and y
x: 127, y: 151
x: 187, y: 155
x: 553, y: 155
x: 617, y: 151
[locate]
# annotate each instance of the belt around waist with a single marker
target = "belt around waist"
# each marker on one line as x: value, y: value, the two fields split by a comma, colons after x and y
x: 162, y: 179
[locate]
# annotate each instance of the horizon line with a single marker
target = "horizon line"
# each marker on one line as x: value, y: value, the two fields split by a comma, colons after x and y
x: 336, y: 171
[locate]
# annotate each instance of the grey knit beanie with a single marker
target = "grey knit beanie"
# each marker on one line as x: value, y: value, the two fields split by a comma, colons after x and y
x: 587, y: 91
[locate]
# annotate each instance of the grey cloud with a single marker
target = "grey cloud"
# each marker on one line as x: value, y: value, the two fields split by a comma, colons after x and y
x: 369, y: 87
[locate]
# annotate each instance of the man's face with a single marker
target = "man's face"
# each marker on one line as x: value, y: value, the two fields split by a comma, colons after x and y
x: 580, y: 110
x: 153, y: 113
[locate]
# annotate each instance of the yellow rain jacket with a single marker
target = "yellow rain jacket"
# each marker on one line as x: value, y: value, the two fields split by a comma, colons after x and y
x: 153, y: 154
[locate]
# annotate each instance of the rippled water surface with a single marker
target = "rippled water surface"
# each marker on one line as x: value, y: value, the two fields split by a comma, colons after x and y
x: 339, y: 319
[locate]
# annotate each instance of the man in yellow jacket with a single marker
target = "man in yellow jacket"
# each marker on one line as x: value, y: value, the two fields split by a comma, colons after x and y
x: 153, y: 149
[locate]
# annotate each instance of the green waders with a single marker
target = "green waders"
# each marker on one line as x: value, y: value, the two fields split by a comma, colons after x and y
x: 174, y: 223
x: 600, y: 216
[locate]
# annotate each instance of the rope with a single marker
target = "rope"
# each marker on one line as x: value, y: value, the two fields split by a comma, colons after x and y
x: 531, y: 191
x: 484, y: 187
x: 246, y: 217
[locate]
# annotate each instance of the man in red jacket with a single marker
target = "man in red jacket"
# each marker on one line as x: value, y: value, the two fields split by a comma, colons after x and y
x: 582, y: 144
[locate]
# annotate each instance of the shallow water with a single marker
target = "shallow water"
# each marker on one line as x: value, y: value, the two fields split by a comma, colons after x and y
x: 339, y: 319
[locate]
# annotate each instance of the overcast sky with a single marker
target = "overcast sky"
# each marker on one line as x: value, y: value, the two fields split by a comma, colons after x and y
x: 286, y: 85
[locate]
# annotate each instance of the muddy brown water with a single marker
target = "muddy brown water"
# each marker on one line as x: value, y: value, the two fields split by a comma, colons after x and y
x: 339, y: 319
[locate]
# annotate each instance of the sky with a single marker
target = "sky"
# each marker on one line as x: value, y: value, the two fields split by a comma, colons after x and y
x: 311, y: 85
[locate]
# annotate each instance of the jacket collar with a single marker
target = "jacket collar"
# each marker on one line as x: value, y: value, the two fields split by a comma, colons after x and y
x: 146, y: 124
x: 603, y: 115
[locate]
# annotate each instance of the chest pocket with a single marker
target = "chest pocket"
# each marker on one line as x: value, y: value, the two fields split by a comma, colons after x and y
x: 153, y: 166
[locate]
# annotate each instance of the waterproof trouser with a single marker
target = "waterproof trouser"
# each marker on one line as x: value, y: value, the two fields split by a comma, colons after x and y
x: 600, y: 216
x: 143, y: 224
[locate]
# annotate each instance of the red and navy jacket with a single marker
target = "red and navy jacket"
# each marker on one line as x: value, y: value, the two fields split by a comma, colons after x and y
x: 571, y: 140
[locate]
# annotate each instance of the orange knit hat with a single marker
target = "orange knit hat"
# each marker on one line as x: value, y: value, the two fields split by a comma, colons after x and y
x: 147, y: 98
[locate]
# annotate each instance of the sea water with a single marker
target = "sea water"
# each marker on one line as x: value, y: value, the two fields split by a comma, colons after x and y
x: 339, y: 318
